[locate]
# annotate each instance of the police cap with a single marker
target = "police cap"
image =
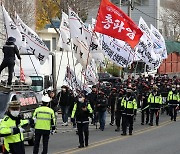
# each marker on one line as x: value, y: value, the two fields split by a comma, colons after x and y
x: 14, y: 104
x: 129, y: 90
x: 155, y: 87
x: 46, y: 98
x: 173, y: 86
x: 94, y: 86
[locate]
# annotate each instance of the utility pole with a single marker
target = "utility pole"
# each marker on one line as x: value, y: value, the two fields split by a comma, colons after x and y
x: 129, y: 7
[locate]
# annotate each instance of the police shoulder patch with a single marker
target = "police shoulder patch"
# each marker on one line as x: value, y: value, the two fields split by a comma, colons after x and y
x: 6, y: 118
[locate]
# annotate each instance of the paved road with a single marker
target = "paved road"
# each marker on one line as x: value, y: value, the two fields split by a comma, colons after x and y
x: 162, y: 139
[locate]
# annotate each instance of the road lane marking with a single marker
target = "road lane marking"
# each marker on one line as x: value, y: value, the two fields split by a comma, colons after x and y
x: 114, y: 139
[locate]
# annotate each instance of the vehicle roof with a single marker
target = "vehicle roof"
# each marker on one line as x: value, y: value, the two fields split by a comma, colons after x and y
x: 15, y: 89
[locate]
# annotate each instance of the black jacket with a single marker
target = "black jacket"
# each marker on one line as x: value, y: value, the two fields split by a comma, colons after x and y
x: 64, y: 98
x: 92, y: 97
x: 82, y: 116
x: 102, y: 102
x: 10, y: 50
x: 54, y: 104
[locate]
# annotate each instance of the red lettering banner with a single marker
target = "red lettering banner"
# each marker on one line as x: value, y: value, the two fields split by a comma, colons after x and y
x: 112, y: 21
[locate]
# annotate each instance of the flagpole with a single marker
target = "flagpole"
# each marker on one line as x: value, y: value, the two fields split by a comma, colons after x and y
x: 4, y: 21
x: 129, y: 14
x: 98, y: 88
x: 59, y: 67
x: 20, y: 72
x: 90, y: 44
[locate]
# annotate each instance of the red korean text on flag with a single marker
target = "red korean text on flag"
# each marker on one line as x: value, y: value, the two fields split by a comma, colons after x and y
x: 113, y: 22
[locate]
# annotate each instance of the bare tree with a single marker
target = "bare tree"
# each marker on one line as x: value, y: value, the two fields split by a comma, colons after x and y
x: 45, y: 13
x: 171, y: 17
x: 24, y: 8
x: 81, y: 7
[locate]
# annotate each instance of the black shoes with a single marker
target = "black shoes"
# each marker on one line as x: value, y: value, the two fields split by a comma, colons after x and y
x: 86, y: 144
x: 123, y: 134
x: 81, y: 146
x: 102, y: 129
x: 130, y: 133
x: 150, y: 124
x: 117, y: 129
x: 111, y: 124
x: 142, y: 123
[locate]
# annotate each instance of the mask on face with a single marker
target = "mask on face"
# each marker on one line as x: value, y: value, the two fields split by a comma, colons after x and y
x: 14, y: 113
x: 80, y: 99
x: 63, y: 89
x: 154, y: 92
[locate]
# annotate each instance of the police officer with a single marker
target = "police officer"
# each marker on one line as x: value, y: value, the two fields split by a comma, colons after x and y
x: 12, y: 131
x: 9, y: 50
x: 44, y: 122
x: 130, y: 108
x: 82, y: 110
x: 173, y: 102
x: 155, y: 102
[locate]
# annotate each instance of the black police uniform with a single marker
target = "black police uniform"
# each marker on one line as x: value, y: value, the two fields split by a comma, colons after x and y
x: 130, y: 107
x: 9, y: 50
x: 82, y: 121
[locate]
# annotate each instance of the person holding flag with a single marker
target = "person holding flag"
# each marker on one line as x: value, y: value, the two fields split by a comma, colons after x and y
x: 9, y: 50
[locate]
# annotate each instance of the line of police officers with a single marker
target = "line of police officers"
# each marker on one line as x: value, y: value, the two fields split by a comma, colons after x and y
x: 122, y: 103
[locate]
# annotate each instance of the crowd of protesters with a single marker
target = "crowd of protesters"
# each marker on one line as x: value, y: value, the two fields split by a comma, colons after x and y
x: 121, y: 99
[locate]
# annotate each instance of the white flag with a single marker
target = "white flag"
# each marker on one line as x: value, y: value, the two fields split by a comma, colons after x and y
x: 95, y: 47
x: 34, y: 44
x: 65, y: 39
x: 72, y: 81
x: 78, y: 29
x: 12, y: 31
x: 117, y: 51
x: 91, y: 73
x: 81, y: 52
x: 160, y: 42
x: 157, y: 47
x: 146, y: 47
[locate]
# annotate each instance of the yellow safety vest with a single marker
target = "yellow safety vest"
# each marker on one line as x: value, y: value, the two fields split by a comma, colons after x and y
x: 45, y: 118
x: 6, y: 128
x: 172, y: 96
